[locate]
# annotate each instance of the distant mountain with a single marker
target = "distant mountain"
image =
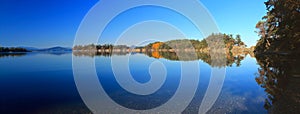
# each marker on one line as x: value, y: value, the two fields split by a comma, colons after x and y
x: 52, y: 49
x: 55, y: 49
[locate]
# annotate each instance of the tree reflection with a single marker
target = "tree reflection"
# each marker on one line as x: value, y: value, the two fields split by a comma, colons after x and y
x: 2, y: 55
x: 218, y: 57
x: 279, y: 75
x: 96, y: 53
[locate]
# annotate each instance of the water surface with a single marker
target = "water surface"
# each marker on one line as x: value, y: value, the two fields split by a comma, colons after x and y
x: 44, y: 83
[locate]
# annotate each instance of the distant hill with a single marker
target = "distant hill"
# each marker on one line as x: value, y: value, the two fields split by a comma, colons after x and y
x: 52, y: 49
x: 29, y: 48
x: 55, y: 49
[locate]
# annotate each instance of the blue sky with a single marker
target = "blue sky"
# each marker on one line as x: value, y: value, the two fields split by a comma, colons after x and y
x: 46, y: 23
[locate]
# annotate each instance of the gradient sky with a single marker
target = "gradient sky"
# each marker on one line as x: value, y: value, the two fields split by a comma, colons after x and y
x: 46, y: 23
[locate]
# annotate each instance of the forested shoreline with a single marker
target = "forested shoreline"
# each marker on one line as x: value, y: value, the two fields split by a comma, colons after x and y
x: 12, y: 49
x: 277, y: 53
x: 279, y: 29
x: 218, y: 42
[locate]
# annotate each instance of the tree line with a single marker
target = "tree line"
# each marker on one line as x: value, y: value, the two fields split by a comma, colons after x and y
x: 97, y: 47
x: 12, y: 49
x: 218, y: 39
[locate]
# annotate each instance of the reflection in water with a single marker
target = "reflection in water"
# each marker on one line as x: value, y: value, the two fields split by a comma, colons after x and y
x: 279, y: 75
x: 96, y: 53
x: 11, y: 54
x: 173, y: 56
x: 20, y: 54
x: 139, y: 102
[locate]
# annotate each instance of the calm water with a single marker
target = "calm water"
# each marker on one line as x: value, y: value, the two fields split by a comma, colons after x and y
x: 44, y: 83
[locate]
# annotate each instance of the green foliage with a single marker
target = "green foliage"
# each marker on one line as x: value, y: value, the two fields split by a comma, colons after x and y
x: 214, y: 41
x: 185, y: 44
x: 218, y: 41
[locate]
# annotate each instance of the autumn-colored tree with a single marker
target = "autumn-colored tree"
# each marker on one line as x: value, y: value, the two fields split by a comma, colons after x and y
x: 156, y: 45
x: 280, y: 28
